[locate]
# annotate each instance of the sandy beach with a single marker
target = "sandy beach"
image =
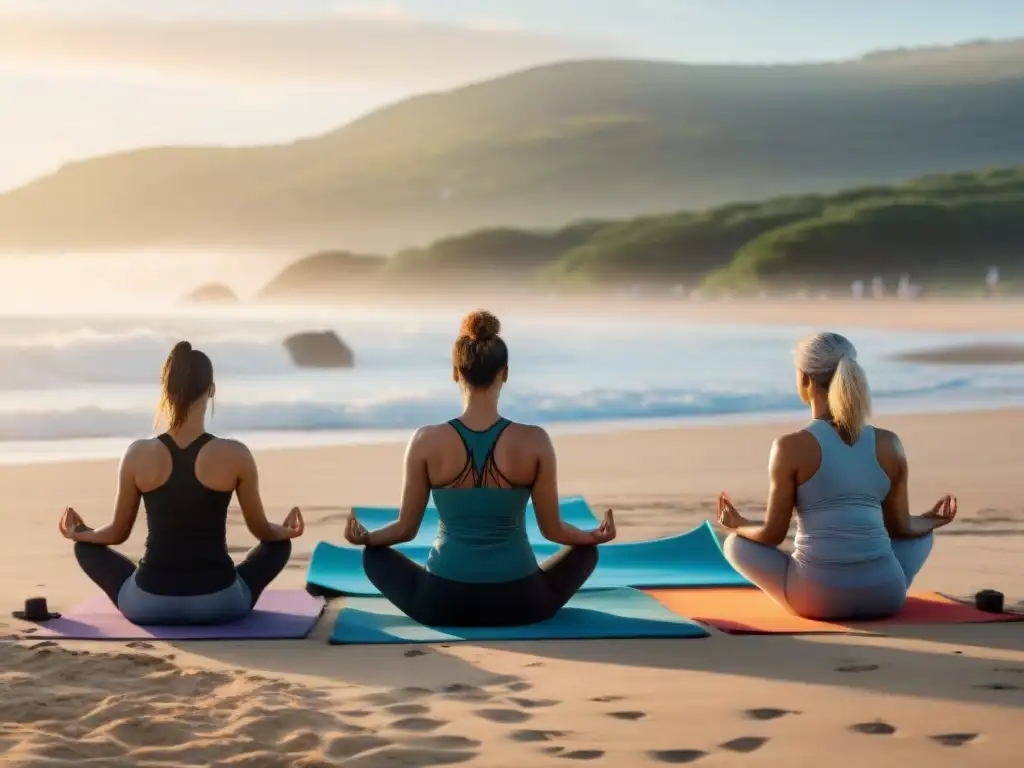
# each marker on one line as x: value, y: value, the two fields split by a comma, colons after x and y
x: 945, y: 695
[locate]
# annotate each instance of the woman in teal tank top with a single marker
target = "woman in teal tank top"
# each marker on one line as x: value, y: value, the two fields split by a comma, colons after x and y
x: 482, y: 470
x: 857, y: 546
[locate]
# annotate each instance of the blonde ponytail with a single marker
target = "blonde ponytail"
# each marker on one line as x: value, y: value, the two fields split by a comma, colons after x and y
x: 849, y: 398
x: 830, y: 361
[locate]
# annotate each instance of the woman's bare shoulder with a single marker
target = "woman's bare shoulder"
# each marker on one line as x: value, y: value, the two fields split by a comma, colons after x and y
x: 888, y: 445
x: 529, y: 433
x: 795, y: 443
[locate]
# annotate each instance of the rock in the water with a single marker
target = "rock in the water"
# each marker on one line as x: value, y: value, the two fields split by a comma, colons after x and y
x: 212, y: 293
x: 319, y: 350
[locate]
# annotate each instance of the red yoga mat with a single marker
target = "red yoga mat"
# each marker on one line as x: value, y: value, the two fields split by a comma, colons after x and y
x: 751, y: 611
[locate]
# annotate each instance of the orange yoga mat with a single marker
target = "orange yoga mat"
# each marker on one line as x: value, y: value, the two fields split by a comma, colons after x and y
x: 751, y: 611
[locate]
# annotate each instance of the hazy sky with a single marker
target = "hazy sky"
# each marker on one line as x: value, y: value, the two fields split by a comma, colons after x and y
x: 80, y: 77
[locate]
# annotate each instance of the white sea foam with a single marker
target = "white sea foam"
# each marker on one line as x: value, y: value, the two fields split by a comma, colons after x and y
x: 63, y: 378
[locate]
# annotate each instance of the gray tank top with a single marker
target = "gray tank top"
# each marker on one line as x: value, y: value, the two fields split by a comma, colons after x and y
x: 839, y: 509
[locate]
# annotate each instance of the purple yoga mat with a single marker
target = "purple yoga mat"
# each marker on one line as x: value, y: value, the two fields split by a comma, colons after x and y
x: 280, y: 614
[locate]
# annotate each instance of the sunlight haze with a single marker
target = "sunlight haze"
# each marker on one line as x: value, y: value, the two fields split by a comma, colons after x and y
x: 88, y: 77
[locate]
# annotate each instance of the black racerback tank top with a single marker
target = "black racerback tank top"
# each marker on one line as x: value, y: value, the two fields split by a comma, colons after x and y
x: 186, y: 546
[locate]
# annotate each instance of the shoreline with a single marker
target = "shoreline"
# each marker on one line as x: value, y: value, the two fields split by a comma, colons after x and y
x: 982, y: 329
x: 15, y: 453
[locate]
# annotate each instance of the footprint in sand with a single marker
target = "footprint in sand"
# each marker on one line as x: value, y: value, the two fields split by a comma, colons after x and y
x: 553, y: 750
x: 857, y: 668
x: 504, y: 716
x: 676, y: 756
x: 744, y: 744
x: 141, y: 645
x: 380, y: 699
x: 534, y: 703
x: 462, y: 692
x: 413, y: 692
x: 395, y: 696
x: 356, y: 713
x: 503, y: 680
x: 532, y: 737
x: 607, y: 699
x: 417, y: 724
x: 768, y: 713
x: 444, y: 743
x: 533, y: 664
x: 422, y: 758
x: 301, y: 741
x: 407, y: 709
x: 583, y: 754
x: 414, y: 653
x: 954, y: 739
x: 628, y: 715
x: 998, y: 687
x: 877, y: 728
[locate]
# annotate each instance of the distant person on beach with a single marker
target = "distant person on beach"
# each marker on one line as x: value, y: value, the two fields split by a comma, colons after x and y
x: 857, y: 546
x: 482, y: 470
x: 992, y: 281
x: 186, y: 477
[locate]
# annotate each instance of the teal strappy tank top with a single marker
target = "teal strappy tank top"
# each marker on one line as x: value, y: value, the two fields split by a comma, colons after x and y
x: 481, y: 537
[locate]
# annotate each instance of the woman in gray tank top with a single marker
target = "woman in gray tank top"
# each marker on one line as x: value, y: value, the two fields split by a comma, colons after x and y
x: 857, y: 546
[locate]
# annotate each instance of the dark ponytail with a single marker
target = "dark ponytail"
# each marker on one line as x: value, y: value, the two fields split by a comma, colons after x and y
x: 480, y: 354
x: 187, y: 375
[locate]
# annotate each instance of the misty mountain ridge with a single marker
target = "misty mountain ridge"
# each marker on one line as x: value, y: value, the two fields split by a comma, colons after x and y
x: 539, y: 148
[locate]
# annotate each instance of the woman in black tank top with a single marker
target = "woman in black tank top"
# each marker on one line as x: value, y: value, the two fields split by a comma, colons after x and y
x: 186, y: 575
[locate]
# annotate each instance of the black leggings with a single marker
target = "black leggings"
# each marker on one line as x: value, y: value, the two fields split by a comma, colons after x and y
x: 110, y: 569
x: 435, y: 601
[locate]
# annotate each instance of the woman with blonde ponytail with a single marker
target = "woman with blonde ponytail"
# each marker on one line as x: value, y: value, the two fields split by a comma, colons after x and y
x: 857, y: 546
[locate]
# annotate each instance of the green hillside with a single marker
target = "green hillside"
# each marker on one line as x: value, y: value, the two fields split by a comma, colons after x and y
x: 941, y: 229
x: 594, y: 139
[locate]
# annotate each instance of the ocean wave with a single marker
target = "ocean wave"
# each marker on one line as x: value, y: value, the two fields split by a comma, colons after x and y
x: 89, y: 356
x: 410, y: 412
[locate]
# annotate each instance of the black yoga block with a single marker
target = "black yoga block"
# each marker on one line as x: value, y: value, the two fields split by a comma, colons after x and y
x: 989, y: 600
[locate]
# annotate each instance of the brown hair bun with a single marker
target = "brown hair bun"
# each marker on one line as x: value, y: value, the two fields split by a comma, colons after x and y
x: 480, y: 326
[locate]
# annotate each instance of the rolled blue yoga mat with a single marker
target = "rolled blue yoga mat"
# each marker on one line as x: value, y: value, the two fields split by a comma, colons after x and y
x: 692, y: 559
x: 608, y: 613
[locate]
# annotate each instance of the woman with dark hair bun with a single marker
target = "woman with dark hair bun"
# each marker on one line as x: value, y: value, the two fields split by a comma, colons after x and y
x: 186, y: 477
x: 482, y: 470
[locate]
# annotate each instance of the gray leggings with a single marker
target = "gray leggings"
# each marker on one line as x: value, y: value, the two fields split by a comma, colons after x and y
x: 835, y: 594
x: 115, y: 575
x: 145, y: 608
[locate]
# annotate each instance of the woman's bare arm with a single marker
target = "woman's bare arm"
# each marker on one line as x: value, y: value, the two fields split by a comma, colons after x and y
x: 415, y: 494
x: 545, y: 499
x: 896, y: 508
x: 126, y: 506
x: 781, y: 496
x: 248, y: 492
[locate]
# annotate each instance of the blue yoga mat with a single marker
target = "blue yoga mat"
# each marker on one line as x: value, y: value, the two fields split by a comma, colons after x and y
x: 609, y: 613
x: 692, y: 559
x: 573, y: 510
